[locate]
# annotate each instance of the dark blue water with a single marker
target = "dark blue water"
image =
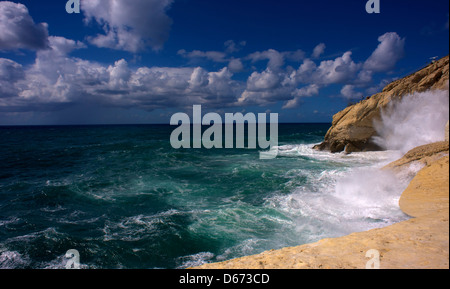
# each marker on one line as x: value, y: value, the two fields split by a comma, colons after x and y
x: 124, y: 198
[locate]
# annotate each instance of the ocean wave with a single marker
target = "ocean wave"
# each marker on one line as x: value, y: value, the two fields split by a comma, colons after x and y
x: 245, y: 248
x: 195, y: 260
x: 13, y: 260
x: 342, y: 201
x: 9, y: 221
x: 136, y: 228
x: 306, y: 150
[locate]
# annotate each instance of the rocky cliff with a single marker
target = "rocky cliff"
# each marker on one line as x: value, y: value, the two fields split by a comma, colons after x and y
x: 353, y: 128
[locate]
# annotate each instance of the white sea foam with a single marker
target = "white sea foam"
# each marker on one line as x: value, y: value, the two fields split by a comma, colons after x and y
x: 11, y: 220
x: 244, y: 248
x: 342, y: 203
x: 12, y: 260
x: 339, y: 200
x: 306, y: 150
x: 136, y: 227
x: 195, y: 260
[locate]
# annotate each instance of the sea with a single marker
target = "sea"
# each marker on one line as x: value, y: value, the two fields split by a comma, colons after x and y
x: 123, y: 198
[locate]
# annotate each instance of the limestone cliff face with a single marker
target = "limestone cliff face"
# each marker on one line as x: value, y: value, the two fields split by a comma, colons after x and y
x: 353, y: 129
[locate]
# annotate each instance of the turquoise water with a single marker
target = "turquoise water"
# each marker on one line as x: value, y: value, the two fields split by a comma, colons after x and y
x: 124, y: 198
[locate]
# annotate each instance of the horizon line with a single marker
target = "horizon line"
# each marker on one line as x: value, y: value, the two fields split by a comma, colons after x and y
x: 130, y: 124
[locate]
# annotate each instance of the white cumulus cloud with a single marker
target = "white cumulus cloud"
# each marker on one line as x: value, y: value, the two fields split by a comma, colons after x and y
x: 390, y: 50
x: 348, y: 92
x: 18, y: 30
x: 129, y: 25
x: 318, y: 50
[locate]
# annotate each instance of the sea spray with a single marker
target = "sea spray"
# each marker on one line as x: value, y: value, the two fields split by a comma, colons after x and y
x: 415, y: 120
x: 342, y: 201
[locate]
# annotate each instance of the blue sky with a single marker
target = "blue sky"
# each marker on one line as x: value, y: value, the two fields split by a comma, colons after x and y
x: 140, y: 61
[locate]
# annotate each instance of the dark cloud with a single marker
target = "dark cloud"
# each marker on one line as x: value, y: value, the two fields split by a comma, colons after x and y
x: 10, y: 73
x: 18, y: 30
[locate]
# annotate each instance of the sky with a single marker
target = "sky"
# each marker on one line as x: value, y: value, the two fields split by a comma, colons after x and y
x: 141, y: 61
